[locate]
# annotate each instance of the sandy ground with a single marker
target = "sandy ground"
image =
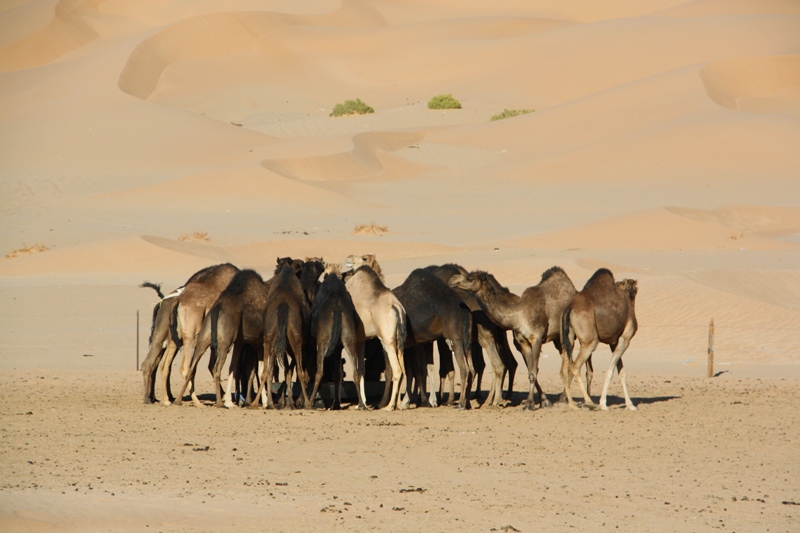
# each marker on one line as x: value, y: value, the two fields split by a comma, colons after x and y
x: 663, y: 146
x: 81, y: 454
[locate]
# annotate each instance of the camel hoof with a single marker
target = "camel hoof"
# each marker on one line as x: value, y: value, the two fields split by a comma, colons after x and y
x: 387, y: 408
x: 528, y: 406
x: 545, y: 403
x: 632, y: 408
x: 593, y: 406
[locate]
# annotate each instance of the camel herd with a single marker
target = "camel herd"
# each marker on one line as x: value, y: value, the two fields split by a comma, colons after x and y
x: 302, y: 318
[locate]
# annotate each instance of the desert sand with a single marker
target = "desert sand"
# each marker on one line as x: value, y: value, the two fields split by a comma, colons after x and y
x: 146, y: 140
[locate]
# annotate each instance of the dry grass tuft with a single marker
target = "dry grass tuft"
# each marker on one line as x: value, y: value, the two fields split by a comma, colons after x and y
x: 197, y: 236
x: 370, y: 229
x: 26, y: 250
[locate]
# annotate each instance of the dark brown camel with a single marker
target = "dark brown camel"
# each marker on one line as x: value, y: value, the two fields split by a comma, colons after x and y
x: 534, y: 316
x: 334, y: 322
x: 286, y: 321
x: 381, y: 316
x: 604, y: 311
x: 435, y: 311
x: 197, y: 296
x: 235, y: 319
x: 485, y: 334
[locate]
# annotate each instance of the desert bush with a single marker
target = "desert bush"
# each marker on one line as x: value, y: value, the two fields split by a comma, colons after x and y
x: 197, y: 236
x: 444, y: 101
x: 508, y: 113
x: 370, y: 229
x: 26, y: 250
x: 351, y: 107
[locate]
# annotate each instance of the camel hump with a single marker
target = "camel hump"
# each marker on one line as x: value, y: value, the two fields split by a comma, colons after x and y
x: 601, y: 276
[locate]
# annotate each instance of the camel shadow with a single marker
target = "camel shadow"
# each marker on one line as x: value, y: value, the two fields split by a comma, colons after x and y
x: 517, y: 398
x: 620, y: 400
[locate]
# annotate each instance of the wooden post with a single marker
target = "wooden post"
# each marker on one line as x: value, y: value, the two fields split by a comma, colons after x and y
x: 137, y: 340
x: 711, y: 349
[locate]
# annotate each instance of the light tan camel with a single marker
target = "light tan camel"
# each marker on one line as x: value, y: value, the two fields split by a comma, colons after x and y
x: 235, y: 319
x: 604, y: 311
x: 382, y: 316
x: 197, y: 296
x: 193, y: 304
x: 533, y: 316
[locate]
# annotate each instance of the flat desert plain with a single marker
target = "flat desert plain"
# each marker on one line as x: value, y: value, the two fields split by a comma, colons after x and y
x: 147, y: 140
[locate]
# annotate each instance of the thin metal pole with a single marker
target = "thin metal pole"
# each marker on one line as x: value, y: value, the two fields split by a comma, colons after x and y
x: 137, y: 340
x: 711, y: 349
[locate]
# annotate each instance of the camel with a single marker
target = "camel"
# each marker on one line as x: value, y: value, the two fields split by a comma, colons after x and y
x: 435, y: 311
x: 534, y: 316
x: 381, y: 316
x: 235, y: 319
x: 334, y: 322
x: 176, y: 327
x: 286, y: 319
x: 485, y: 334
x: 604, y: 311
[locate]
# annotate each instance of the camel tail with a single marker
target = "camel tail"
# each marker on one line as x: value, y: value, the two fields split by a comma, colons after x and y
x: 214, y: 318
x: 466, y: 333
x: 565, y: 342
x: 283, y: 321
x: 336, y: 334
x: 173, y: 326
x: 402, y: 329
x: 155, y: 286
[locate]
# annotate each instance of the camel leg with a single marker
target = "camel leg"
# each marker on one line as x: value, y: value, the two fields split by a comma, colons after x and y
x: 487, y: 342
x: 530, y: 351
x: 466, y: 370
x: 447, y: 374
x: 322, y: 344
x: 359, y: 367
x: 166, y: 372
x: 589, y: 375
x: 387, y: 382
x: 575, y: 373
x: 337, y: 397
x: 266, y: 379
x: 394, y: 372
x: 616, y: 361
x: 149, y: 369
x: 510, y: 364
x: 219, y: 365
x: 288, y: 373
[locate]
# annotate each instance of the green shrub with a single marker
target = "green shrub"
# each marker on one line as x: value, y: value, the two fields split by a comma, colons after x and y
x: 351, y: 107
x: 444, y: 101
x: 508, y: 113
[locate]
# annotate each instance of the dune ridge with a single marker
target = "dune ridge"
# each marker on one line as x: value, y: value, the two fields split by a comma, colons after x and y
x: 69, y: 29
x: 219, y: 34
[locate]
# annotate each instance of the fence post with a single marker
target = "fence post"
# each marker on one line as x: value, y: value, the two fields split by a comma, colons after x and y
x: 711, y: 349
x: 137, y: 340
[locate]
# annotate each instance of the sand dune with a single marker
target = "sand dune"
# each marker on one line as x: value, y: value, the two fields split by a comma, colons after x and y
x: 363, y: 160
x: 757, y: 84
x: 67, y: 31
x: 654, y: 230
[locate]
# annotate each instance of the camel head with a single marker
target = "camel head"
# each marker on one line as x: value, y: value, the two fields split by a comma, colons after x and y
x: 354, y: 261
x: 629, y: 287
x: 470, y: 282
x: 331, y: 268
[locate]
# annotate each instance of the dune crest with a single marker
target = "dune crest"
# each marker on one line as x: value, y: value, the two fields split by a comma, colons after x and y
x: 69, y: 29
x: 219, y: 35
x: 766, y: 84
